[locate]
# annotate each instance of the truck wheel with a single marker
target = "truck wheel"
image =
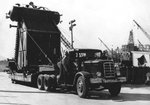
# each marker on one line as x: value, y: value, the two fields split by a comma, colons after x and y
x: 52, y: 82
x: 49, y: 83
x: 46, y: 83
x: 115, y: 89
x: 82, y: 87
x: 14, y: 81
x: 40, y: 82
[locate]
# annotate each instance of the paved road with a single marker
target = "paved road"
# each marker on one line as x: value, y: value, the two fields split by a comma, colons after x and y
x: 17, y: 94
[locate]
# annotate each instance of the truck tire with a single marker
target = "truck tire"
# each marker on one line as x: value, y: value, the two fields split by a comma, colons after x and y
x: 40, y: 82
x: 14, y: 81
x: 82, y: 87
x: 115, y: 89
x: 46, y: 82
x: 49, y: 83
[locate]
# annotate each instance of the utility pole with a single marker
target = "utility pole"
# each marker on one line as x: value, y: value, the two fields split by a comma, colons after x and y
x: 72, y: 24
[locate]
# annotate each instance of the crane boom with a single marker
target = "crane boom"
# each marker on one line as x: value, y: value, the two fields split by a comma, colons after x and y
x: 104, y: 44
x: 145, y: 33
x: 141, y: 44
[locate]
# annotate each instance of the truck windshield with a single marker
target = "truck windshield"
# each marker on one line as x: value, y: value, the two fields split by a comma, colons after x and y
x: 87, y: 55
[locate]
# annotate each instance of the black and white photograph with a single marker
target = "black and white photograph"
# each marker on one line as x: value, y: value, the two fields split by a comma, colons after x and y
x: 75, y: 52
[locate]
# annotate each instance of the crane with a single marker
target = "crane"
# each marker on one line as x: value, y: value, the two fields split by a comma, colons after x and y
x: 141, y: 45
x: 105, y: 45
x: 145, y: 33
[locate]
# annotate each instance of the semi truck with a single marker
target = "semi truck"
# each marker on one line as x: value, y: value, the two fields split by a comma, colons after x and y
x: 38, y: 59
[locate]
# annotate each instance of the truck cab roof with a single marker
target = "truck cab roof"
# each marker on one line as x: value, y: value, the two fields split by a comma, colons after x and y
x: 84, y: 50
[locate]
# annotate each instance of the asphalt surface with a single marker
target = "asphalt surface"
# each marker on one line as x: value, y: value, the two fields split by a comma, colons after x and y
x: 21, y: 94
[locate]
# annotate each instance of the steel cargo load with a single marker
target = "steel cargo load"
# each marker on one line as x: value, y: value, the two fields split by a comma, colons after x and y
x: 38, y: 38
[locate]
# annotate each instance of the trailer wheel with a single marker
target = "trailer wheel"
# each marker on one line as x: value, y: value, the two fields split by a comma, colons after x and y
x: 46, y: 83
x: 49, y: 83
x: 115, y: 89
x: 12, y: 80
x: 52, y: 82
x: 40, y: 82
x: 82, y: 87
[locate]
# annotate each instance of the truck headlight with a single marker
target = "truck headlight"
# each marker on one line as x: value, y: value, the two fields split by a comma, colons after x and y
x: 118, y: 73
x: 99, y: 74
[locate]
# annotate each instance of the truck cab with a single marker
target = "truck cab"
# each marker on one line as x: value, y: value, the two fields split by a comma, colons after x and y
x: 87, y: 69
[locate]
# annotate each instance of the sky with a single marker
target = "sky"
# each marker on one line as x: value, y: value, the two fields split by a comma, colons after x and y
x: 110, y: 20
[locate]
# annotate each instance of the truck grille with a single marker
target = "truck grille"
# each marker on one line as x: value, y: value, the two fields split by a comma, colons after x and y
x: 109, y: 71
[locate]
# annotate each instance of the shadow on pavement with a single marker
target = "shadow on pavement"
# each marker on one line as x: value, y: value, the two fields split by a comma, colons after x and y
x: 13, y: 104
x: 12, y: 91
x: 8, y: 96
x: 58, y: 91
x: 133, y: 97
x: 136, y: 86
x: 120, y: 98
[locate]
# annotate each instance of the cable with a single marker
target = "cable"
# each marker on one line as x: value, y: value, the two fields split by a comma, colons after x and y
x: 63, y: 30
x: 40, y: 48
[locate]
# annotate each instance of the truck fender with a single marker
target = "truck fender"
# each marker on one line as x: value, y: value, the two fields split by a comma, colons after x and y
x: 85, y: 74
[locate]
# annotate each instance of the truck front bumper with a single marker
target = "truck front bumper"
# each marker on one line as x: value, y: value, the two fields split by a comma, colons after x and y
x: 101, y: 80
